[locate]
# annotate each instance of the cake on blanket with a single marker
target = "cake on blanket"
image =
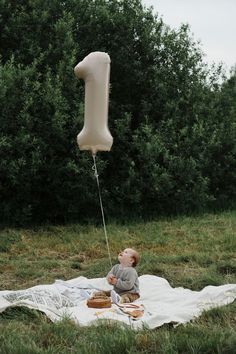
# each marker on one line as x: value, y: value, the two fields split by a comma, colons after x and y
x: 98, y: 303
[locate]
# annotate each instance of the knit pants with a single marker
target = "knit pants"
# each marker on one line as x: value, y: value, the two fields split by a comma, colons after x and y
x: 124, y: 298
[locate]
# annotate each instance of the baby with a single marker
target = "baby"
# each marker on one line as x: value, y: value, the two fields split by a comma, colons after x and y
x: 124, y: 277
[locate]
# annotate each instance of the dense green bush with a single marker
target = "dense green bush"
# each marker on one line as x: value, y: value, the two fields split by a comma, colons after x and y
x: 173, y: 123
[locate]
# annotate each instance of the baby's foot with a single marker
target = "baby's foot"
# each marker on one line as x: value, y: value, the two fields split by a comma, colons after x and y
x: 115, y: 297
x: 125, y: 300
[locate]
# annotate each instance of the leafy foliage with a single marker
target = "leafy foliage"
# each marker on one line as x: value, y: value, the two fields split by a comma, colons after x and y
x: 173, y: 124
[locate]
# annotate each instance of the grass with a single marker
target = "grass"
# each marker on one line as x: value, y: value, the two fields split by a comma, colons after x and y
x: 188, y: 251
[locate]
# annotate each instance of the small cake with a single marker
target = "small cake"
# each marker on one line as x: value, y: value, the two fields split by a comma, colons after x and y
x: 99, y: 303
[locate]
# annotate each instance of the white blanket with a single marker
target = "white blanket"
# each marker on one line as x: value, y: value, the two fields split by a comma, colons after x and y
x: 162, y: 303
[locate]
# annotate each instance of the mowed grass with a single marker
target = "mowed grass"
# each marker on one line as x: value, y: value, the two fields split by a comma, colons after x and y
x: 188, y: 251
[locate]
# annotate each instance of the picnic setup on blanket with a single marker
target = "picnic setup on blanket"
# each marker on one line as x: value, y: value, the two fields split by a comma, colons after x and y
x: 159, y: 303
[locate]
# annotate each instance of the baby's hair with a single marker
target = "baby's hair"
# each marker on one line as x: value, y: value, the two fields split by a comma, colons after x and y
x: 135, y: 257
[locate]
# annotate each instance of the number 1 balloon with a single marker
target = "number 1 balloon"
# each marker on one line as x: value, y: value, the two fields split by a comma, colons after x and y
x: 94, y: 69
x: 95, y: 136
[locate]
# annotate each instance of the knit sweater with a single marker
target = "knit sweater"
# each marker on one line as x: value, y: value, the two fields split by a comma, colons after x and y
x: 127, y: 279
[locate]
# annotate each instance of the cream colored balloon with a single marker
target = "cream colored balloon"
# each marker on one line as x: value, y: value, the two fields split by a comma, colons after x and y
x: 94, y: 69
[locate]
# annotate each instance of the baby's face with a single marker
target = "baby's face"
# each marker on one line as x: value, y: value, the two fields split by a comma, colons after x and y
x: 126, y: 257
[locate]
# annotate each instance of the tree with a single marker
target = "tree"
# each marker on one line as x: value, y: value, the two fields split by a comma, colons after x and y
x: 163, y: 110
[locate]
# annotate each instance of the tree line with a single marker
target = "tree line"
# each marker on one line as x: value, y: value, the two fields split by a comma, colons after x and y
x: 172, y: 117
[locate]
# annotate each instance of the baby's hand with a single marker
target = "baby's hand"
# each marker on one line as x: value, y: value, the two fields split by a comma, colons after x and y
x: 109, y: 278
x: 112, y: 279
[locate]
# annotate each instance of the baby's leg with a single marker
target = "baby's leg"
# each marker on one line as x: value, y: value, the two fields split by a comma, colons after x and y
x: 129, y: 297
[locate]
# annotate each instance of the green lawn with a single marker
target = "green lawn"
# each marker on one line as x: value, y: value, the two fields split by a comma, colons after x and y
x: 188, y: 251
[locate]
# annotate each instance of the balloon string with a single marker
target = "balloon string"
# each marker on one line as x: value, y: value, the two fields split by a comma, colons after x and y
x: 94, y: 168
